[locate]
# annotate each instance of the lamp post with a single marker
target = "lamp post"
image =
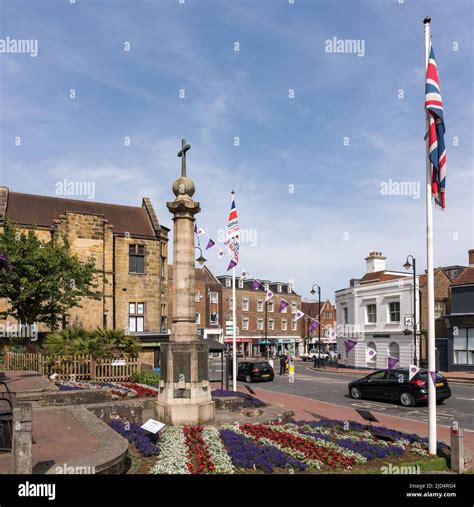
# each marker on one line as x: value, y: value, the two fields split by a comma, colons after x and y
x: 313, y: 292
x: 407, y: 266
x: 201, y: 259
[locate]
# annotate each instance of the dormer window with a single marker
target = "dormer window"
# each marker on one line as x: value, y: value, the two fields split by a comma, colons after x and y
x: 241, y: 283
x: 266, y: 286
x: 290, y: 290
x: 279, y: 287
x: 228, y: 282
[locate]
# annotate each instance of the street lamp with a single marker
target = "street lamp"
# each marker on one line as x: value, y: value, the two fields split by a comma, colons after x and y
x: 201, y: 258
x: 408, y: 265
x: 313, y: 292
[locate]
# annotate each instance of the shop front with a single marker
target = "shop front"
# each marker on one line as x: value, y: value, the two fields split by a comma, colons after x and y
x: 286, y: 345
x: 243, y: 346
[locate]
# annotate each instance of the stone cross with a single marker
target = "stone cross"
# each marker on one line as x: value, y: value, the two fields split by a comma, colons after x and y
x: 182, y: 153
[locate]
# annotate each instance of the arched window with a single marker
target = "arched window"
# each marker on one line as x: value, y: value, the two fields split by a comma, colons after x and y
x: 394, y: 350
x: 372, y: 361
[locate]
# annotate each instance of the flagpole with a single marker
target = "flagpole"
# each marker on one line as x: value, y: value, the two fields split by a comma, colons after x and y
x: 430, y: 275
x: 234, y: 340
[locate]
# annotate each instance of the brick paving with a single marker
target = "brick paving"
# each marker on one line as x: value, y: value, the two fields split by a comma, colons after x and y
x: 308, y: 409
x: 23, y: 381
x: 58, y: 439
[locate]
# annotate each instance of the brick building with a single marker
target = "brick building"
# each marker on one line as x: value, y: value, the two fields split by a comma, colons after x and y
x: 327, y: 318
x: 261, y: 328
x: 209, y: 303
x: 130, y: 248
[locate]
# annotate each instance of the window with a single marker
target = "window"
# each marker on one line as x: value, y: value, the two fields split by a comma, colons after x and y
x: 213, y: 319
x: 136, y: 258
x: 231, y: 304
x: 245, y: 304
x: 260, y: 324
x: 241, y: 283
x: 279, y: 287
x: 464, y: 346
x: 380, y: 375
x: 440, y: 309
x: 327, y: 315
x: 214, y: 297
x: 394, y: 350
x: 197, y: 296
x: 228, y: 282
x: 294, y: 325
x: 266, y: 286
x: 136, y: 317
x: 245, y: 324
x: 163, y: 320
x: 346, y: 315
x: 371, y: 314
x: 271, y: 325
x: 198, y: 318
x: 371, y: 361
x: 290, y: 290
x: 394, y: 311
x: 284, y: 324
x: 259, y: 305
x: 271, y: 306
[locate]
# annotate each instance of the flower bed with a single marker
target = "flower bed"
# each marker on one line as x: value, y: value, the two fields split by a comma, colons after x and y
x: 298, y: 447
x: 118, y: 389
x: 144, y: 441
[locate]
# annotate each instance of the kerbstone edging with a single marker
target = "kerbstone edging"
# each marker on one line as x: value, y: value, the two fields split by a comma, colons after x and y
x: 111, y: 455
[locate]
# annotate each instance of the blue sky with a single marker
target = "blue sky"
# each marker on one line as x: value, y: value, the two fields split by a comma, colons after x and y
x: 312, y: 202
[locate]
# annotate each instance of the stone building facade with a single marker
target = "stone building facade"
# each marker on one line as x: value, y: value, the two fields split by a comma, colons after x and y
x: 130, y: 248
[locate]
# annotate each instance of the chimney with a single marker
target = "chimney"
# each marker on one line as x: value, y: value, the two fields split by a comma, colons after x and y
x: 375, y: 262
x: 3, y: 203
x: 471, y: 258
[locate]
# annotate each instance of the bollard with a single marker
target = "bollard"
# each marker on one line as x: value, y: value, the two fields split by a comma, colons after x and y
x: 22, y: 439
x: 457, y: 450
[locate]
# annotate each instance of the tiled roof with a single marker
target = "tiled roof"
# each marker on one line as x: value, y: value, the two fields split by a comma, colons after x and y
x: 41, y: 211
x: 465, y: 278
x: 378, y: 276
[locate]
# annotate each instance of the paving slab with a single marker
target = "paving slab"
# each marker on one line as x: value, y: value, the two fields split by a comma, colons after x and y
x: 26, y: 381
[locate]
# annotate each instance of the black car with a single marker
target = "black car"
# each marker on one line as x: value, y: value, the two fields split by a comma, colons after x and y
x: 393, y: 385
x: 255, y: 370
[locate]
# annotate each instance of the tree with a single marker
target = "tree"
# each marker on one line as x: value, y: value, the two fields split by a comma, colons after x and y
x: 45, y: 280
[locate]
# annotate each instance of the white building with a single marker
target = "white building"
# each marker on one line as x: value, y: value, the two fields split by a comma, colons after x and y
x: 377, y: 312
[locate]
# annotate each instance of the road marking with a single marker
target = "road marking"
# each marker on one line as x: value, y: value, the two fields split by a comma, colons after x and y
x: 466, y: 399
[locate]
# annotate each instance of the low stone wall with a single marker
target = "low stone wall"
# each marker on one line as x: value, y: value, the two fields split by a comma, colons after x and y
x: 79, y: 397
x: 232, y: 403
x: 137, y: 410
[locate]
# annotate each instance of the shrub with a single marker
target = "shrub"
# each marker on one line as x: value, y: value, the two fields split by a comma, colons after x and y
x: 148, y: 377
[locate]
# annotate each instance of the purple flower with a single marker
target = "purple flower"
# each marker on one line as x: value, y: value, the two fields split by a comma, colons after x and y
x: 245, y: 453
x: 144, y: 441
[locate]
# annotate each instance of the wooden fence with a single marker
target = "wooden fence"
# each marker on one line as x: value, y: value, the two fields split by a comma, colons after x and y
x: 79, y: 367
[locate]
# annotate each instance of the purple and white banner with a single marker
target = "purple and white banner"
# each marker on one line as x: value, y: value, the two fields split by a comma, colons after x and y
x: 412, y: 371
x: 392, y: 361
x: 370, y: 353
x: 350, y: 344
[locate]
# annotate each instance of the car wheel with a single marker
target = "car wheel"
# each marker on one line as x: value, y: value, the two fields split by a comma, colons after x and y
x: 407, y: 399
x: 356, y: 393
x: 440, y: 402
x: 248, y: 379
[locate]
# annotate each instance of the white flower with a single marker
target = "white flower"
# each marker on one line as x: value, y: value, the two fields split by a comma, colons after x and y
x: 172, y: 458
x: 217, y: 451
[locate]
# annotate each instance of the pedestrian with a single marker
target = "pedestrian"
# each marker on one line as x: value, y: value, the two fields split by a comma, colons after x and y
x: 282, y: 363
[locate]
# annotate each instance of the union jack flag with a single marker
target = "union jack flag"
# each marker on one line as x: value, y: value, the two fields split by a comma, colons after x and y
x: 437, y: 148
x: 233, y: 232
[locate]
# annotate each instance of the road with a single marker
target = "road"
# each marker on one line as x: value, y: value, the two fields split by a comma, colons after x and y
x: 332, y: 388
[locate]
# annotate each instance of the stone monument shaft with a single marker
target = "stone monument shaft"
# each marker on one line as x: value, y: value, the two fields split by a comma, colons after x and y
x: 185, y: 392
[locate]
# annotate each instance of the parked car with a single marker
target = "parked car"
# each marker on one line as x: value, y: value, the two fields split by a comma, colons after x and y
x: 255, y: 370
x: 312, y: 354
x: 393, y: 385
